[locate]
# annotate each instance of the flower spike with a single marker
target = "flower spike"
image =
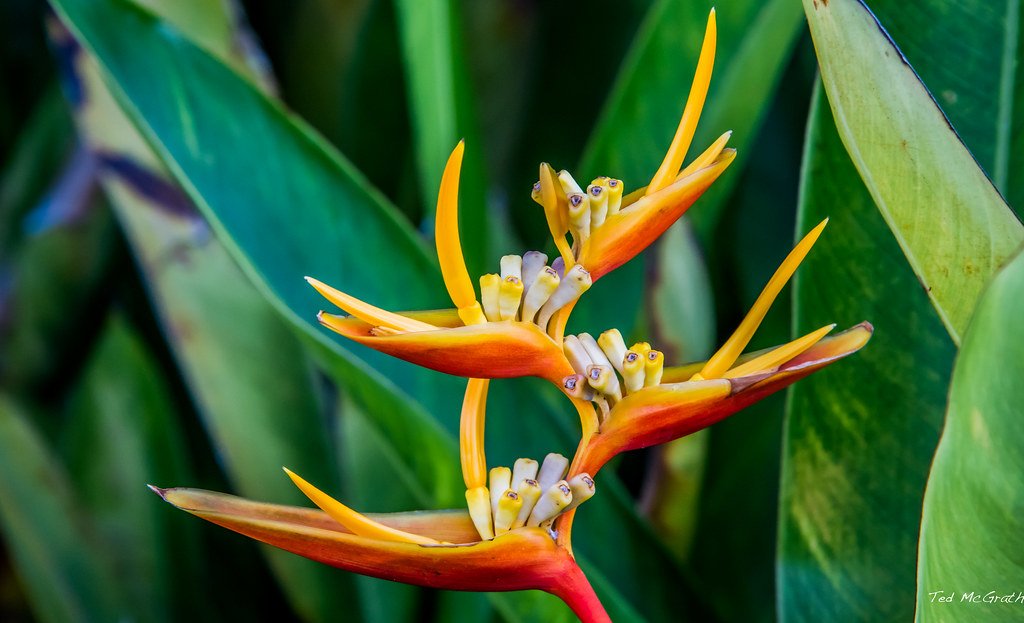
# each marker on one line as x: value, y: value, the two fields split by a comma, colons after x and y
x: 691, y: 113
x: 658, y: 414
x: 449, y: 248
x: 517, y: 532
x: 723, y: 359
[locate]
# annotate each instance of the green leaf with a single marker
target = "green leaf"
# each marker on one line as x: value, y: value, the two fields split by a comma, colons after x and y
x: 63, y: 262
x: 120, y: 432
x: 972, y: 532
x: 40, y: 151
x: 949, y: 219
x: 441, y: 100
x: 859, y: 436
x: 223, y: 333
x: 283, y: 202
x: 55, y: 551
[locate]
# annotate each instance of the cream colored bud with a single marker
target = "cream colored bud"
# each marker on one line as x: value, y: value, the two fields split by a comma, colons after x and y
x: 533, y: 263
x: 614, y: 347
x: 529, y: 492
x: 499, y: 481
x: 511, y: 266
x: 576, y: 386
x: 568, y: 183
x: 509, y: 296
x: 633, y: 371
x: 654, y: 366
x: 582, y: 486
x: 552, y: 470
x: 614, y: 196
x: 641, y: 348
x: 596, y: 354
x: 541, y: 288
x: 603, y: 379
x: 479, y: 502
x: 576, y: 281
x: 535, y: 193
x: 598, y: 205
x: 577, y: 355
x: 509, y: 504
x: 524, y: 469
x: 579, y: 215
x: 490, y: 292
x: 550, y: 504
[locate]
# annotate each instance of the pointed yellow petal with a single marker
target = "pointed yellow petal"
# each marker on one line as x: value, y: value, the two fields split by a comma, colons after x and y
x: 471, y: 433
x: 778, y: 356
x: 706, y: 158
x: 449, y: 248
x: 359, y: 524
x: 366, y: 312
x: 691, y: 113
x: 730, y: 351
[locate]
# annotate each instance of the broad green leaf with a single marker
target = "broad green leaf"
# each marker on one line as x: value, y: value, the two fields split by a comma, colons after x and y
x: 121, y: 432
x: 38, y: 153
x: 355, y: 92
x: 283, y: 202
x: 372, y: 474
x: 59, y: 559
x: 972, y: 531
x: 859, y: 436
x: 949, y: 219
x: 63, y: 262
x: 441, y: 105
x: 223, y: 333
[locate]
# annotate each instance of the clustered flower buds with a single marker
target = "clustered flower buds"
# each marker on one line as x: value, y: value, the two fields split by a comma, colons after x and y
x: 528, y: 290
x: 528, y: 495
x: 596, y: 363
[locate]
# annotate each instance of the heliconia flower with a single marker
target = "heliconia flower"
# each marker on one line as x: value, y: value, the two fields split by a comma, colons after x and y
x: 516, y: 531
x: 607, y: 228
x: 516, y: 326
x: 435, y: 549
x: 653, y: 404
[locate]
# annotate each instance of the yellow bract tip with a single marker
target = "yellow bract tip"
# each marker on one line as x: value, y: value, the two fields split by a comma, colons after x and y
x: 691, y: 113
x: 446, y: 237
x: 358, y: 524
x: 368, y: 313
x: 778, y: 356
x: 730, y: 351
x: 708, y: 157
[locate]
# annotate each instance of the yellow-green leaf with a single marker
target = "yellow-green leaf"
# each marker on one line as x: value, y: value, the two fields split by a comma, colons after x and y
x: 949, y: 219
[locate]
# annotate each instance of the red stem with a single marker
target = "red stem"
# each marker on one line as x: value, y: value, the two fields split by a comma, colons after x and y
x: 575, y: 590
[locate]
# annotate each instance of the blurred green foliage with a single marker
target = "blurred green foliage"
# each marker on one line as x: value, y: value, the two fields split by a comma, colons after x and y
x: 169, y: 171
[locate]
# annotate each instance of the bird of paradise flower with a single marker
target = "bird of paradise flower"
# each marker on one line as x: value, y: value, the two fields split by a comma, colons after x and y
x: 516, y: 531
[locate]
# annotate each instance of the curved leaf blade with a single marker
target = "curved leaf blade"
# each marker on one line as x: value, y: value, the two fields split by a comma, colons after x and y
x: 859, y: 436
x: 949, y: 219
x: 282, y: 200
x: 972, y: 531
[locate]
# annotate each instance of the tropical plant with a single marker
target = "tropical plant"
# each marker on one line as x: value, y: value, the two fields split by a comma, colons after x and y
x: 172, y: 170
